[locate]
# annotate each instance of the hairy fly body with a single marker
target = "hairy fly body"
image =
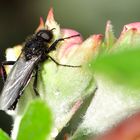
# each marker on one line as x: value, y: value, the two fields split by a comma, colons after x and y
x: 35, y: 51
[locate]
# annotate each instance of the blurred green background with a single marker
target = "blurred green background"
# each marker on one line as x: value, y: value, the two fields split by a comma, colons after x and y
x: 20, y: 18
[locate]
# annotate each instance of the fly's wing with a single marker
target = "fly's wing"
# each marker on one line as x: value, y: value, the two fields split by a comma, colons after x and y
x: 16, y: 81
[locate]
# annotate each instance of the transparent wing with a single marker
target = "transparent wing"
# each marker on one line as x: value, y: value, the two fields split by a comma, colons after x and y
x: 16, y: 81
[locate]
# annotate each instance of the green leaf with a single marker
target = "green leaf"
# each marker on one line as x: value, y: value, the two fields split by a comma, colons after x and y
x: 62, y: 87
x: 113, y: 101
x: 123, y: 67
x: 3, y: 135
x: 36, y: 123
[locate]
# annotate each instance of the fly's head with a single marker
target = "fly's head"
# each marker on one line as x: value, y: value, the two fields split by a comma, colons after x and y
x: 45, y: 35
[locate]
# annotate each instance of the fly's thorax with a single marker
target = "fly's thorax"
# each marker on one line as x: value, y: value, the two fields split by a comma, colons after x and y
x: 38, y: 44
x: 34, y: 48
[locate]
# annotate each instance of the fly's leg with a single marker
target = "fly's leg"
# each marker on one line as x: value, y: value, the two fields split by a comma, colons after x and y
x: 35, y: 82
x: 53, y: 46
x: 62, y: 64
x: 3, y: 71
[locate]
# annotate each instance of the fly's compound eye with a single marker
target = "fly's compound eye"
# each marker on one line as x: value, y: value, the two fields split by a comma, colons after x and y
x: 46, y: 35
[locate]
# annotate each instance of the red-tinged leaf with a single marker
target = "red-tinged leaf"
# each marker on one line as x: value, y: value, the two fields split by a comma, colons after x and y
x: 129, y: 129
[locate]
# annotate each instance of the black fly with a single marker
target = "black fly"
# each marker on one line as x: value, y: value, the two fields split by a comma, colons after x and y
x: 35, y: 51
